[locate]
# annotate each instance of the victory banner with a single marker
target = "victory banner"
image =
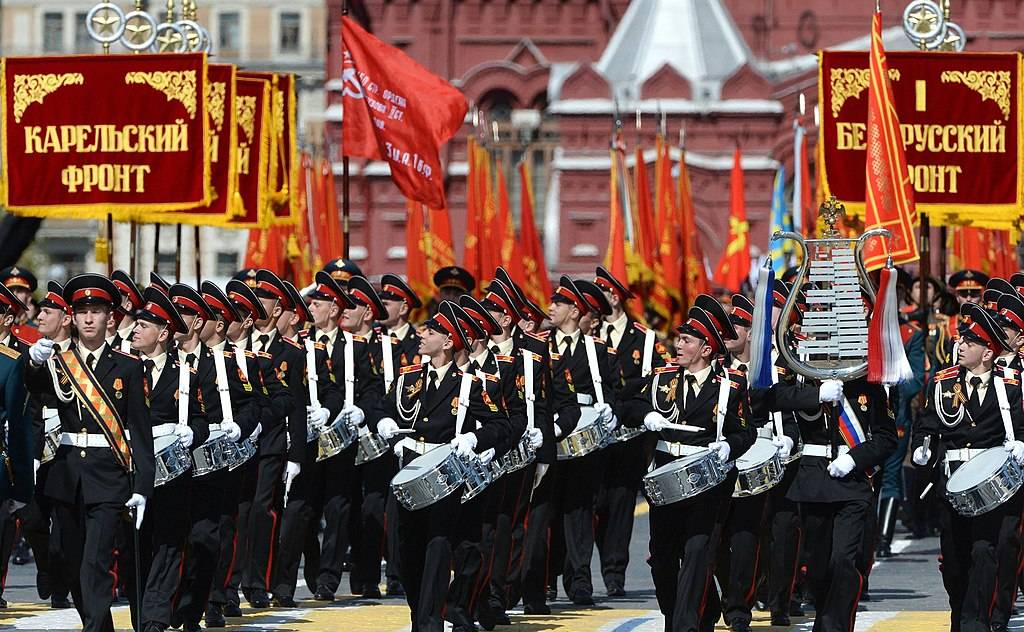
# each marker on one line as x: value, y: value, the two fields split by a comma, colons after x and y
x: 88, y: 135
x: 284, y: 163
x: 959, y: 121
x: 223, y: 152
x: 250, y: 208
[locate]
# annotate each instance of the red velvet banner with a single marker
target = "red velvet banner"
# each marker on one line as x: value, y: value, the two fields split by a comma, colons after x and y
x: 252, y: 112
x: 284, y: 166
x: 958, y: 116
x: 223, y: 148
x: 88, y: 135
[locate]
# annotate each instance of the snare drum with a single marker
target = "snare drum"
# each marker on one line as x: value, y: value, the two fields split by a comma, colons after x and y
x: 589, y: 436
x: 429, y: 478
x: 51, y: 440
x: 213, y: 455
x: 685, y: 478
x: 478, y: 477
x: 623, y: 434
x: 985, y: 482
x: 371, y: 447
x: 758, y: 470
x: 515, y: 459
x: 333, y: 439
x: 240, y: 452
x: 171, y: 459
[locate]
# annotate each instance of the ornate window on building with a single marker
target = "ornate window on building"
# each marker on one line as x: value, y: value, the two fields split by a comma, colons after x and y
x: 289, y: 37
x: 229, y: 33
x: 53, y: 32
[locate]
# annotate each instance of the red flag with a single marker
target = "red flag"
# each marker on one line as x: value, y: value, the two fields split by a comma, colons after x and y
x: 535, y: 271
x: 416, y: 250
x: 472, y: 254
x: 644, y: 241
x: 808, y: 218
x: 508, y: 246
x: 267, y: 249
x: 332, y: 239
x: 666, y: 259
x: 734, y: 266
x: 694, y: 274
x: 615, y: 256
x: 442, y: 248
x: 398, y: 111
x: 889, y: 195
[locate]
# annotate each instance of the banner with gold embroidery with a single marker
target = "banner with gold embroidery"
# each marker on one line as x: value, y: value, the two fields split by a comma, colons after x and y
x: 88, y: 135
x: 252, y: 112
x: 225, y: 203
x: 284, y: 162
x: 959, y: 119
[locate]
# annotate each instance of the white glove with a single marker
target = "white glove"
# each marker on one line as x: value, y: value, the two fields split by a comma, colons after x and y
x: 830, y: 391
x: 464, y: 444
x: 291, y: 470
x: 387, y: 428
x: 185, y: 435
x: 355, y: 415
x: 922, y: 455
x: 231, y: 430
x: 783, y: 445
x: 559, y: 433
x: 604, y: 411
x: 317, y: 417
x: 842, y: 466
x: 41, y: 351
x: 1016, y: 449
x: 538, y: 475
x: 721, y: 448
x: 256, y: 433
x: 138, y: 501
x: 35, y: 469
x: 655, y: 421
x: 398, y: 449
x: 487, y: 456
x: 535, y: 437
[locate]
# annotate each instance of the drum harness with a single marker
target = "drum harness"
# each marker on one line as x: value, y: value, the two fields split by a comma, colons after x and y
x: 683, y: 449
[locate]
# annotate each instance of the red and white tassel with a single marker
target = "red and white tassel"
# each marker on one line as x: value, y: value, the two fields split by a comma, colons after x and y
x: 887, y: 359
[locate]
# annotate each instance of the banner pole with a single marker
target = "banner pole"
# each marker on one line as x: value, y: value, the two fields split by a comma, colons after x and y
x: 110, y: 244
x: 346, y: 250
x: 923, y: 303
x: 199, y: 258
x: 177, y: 255
x: 133, y: 249
x: 156, y: 248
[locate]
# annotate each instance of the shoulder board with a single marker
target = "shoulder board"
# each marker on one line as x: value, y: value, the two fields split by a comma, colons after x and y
x: 542, y: 336
x: 735, y: 372
x: 612, y: 350
x: 668, y: 368
x: 292, y: 342
x: 303, y: 334
x: 264, y: 354
x: 320, y: 345
x: 504, y: 358
x: 733, y: 384
x: 409, y: 369
x: 492, y: 378
x: 248, y: 354
x: 358, y: 338
x: 10, y: 353
x: 126, y: 355
x: 536, y: 356
x: 193, y: 370
x: 1009, y: 371
x: 228, y: 354
x: 781, y: 370
x: 642, y: 329
x: 556, y: 356
x: 599, y: 341
x: 471, y: 375
x: 947, y: 373
x: 1014, y: 382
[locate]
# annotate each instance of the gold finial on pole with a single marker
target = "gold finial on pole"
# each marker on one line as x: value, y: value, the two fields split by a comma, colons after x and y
x: 170, y: 11
x: 830, y: 212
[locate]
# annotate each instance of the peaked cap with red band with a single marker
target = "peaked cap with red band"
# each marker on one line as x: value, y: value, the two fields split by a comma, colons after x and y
x: 91, y: 289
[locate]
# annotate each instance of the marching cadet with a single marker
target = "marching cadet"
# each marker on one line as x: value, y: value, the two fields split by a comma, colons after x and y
x: 236, y: 401
x: 637, y: 353
x: 22, y: 283
x: 39, y: 520
x: 968, y: 285
x: 580, y: 365
x: 425, y: 399
x: 282, y: 443
x: 373, y: 476
x: 684, y: 534
x: 510, y: 494
x: 966, y: 413
x: 341, y: 270
x: 452, y: 282
x: 105, y: 462
x: 302, y: 507
x: 399, y: 337
x: 176, y: 414
x: 123, y: 317
x: 16, y: 478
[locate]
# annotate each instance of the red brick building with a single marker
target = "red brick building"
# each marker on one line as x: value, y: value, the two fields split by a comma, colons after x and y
x: 548, y: 75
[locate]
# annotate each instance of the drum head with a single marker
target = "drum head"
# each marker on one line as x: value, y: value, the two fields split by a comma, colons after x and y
x: 761, y: 452
x: 977, y: 470
x: 161, y: 443
x: 428, y: 461
x: 587, y: 417
x: 216, y: 435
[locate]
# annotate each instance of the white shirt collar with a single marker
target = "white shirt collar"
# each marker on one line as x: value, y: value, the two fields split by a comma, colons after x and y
x: 441, y: 372
x: 619, y: 324
x: 85, y: 352
x: 701, y: 375
x: 220, y: 346
x: 505, y: 346
x: 400, y: 332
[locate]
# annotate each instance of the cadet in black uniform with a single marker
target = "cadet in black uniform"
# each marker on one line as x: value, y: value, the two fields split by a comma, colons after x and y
x: 105, y: 462
x: 124, y: 312
x: 422, y: 400
x: 961, y: 419
x: 174, y: 414
x: 684, y: 534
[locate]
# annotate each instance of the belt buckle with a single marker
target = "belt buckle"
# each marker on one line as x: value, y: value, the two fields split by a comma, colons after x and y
x: 421, y: 447
x: 83, y: 439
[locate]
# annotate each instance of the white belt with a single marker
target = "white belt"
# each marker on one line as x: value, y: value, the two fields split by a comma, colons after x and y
x: 962, y: 455
x: 213, y: 427
x: 163, y: 430
x: 80, y: 440
x: 419, y: 447
x: 584, y: 400
x: 825, y: 451
x: 765, y: 432
x: 679, y: 449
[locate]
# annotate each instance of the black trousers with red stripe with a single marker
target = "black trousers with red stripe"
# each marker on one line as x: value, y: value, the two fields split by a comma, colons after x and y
x: 539, y: 538
x: 263, y: 524
x: 739, y: 556
x: 500, y: 537
x: 1008, y: 552
x: 623, y: 471
x: 229, y: 538
x: 204, y: 544
x: 833, y: 537
x: 166, y: 534
x: 684, y: 538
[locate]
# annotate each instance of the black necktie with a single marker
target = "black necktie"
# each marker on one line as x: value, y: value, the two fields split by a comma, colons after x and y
x: 567, y: 342
x: 742, y: 368
x: 90, y: 361
x: 431, y: 382
x: 147, y: 370
x: 190, y: 360
x: 264, y: 341
x: 975, y: 394
x: 325, y: 339
x: 608, y: 331
x: 691, y: 389
x: 495, y: 350
x: 474, y: 366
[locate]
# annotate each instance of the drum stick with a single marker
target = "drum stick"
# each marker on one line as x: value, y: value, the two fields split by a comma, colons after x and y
x: 287, y: 488
x: 682, y: 427
x: 404, y: 431
x: 927, y: 488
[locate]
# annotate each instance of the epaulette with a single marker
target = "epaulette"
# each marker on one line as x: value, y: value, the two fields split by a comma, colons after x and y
x: 319, y: 345
x: 1007, y: 380
x: 599, y: 340
x: 947, y: 373
x: 542, y: 336
x: 248, y: 354
x: 1010, y: 371
x: 471, y: 375
x: 536, y: 356
x: 613, y: 350
x: 356, y: 338
x: 127, y: 355
x: 410, y: 369
x: 229, y: 354
x: 735, y: 372
x: 504, y: 358
x: 668, y: 368
x: 263, y: 354
x: 292, y: 342
x: 10, y: 353
x: 491, y: 378
x: 642, y: 329
x: 193, y: 370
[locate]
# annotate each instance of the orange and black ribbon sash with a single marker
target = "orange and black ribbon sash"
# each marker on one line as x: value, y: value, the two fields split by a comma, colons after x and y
x: 92, y: 397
